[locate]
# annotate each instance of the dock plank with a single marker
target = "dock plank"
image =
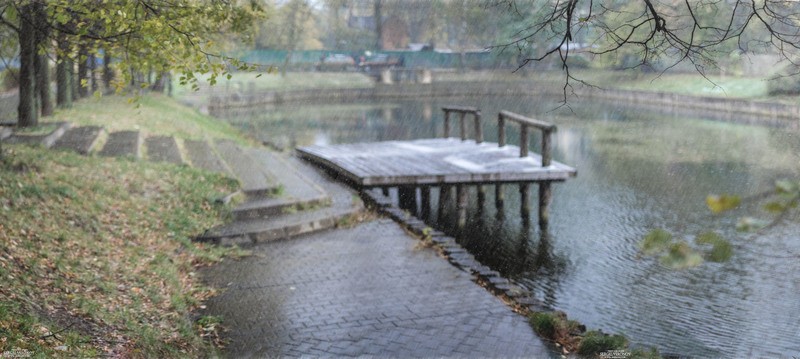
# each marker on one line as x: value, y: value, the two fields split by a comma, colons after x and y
x: 433, y: 161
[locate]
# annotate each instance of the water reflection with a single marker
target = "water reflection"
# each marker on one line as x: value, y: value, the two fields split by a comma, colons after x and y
x: 637, y: 171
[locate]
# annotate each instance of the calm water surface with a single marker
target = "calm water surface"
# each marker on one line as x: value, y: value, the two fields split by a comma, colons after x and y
x: 637, y: 171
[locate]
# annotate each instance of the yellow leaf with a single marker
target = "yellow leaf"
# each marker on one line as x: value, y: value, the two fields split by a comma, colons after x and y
x: 722, y: 203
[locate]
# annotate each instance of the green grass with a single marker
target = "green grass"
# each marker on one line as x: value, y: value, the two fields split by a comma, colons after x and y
x: 42, y: 129
x: 245, y: 81
x: 98, y: 250
x: 594, y: 343
x: 153, y: 114
x: 681, y: 83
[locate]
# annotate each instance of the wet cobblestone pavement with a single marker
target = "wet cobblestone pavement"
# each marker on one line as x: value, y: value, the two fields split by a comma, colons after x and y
x: 364, y: 291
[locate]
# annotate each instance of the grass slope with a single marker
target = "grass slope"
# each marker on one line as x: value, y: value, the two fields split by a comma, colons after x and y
x: 95, y: 253
x: 154, y: 114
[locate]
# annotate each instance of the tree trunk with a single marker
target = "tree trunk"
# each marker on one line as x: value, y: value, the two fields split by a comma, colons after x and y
x: 42, y: 63
x: 27, y: 113
x: 75, y: 81
x: 158, y: 84
x: 292, y: 38
x: 63, y: 75
x: 108, y: 72
x: 378, y: 25
x: 93, y: 72
x: 83, y: 72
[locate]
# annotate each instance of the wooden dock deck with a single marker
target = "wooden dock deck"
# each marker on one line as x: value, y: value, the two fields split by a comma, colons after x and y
x: 417, y: 165
x: 438, y: 161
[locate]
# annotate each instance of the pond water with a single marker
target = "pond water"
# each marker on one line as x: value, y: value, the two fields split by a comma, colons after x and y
x: 637, y: 171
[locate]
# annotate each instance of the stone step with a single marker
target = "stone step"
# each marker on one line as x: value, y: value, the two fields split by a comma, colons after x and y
x: 202, y: 155
x: 255, y: 180
x: 163, y: 149
x: 45, y: 140
x: 344, y: 203
x: 296, y: 191
x: 79, y: 139
x: 284, y: 226
x: 270, y: 207
x: 123, y: 143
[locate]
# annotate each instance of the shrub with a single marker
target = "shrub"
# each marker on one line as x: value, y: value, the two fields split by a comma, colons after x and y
x: 789, y: 85
x: 546, y: 324
x: 595, y: 342
x: 8, y: 79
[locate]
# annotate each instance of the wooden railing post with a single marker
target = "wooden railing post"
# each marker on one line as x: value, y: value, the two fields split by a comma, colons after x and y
x: 501, y: 130
x: 462, y: 115
x: 478, y: 128
x: 461, y: 121
x: 523, y: 141
x: 446, y: 123
x: 546, y: 151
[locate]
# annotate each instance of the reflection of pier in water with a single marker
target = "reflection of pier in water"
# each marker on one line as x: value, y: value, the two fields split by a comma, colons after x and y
x: 448, y: 164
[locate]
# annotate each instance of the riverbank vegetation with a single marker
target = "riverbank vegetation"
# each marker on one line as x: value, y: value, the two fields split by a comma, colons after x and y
x: 572, y: 337
x: 95, y: 253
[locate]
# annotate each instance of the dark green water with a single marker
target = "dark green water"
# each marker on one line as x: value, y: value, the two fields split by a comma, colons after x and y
x: 637, y: 171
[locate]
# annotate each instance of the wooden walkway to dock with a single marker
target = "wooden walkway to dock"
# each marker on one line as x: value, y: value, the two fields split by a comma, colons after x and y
x: 447, y: 162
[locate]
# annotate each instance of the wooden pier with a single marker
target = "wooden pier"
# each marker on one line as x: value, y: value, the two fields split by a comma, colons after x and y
x: 416, y: 166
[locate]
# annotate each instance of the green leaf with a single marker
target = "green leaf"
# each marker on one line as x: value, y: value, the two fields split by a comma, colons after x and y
x: 786, y: 186
x: 657, y: 241
x: 721, y: 203
x: 721, y: 250
x: 775, y: 207
x: 747, y: 224
x: 681, y: 256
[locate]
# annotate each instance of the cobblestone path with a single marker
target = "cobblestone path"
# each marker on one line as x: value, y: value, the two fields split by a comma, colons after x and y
x: 367, y: 290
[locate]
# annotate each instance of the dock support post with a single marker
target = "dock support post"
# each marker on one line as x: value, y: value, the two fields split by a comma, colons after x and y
x: 545, y: 194
x: 444, y: 197
x: 481, y: 198
x: 385, y: 191
x: 498, y: 196
x: 425, y: 198
x: 407, y: 197
x: 499, y: 201
x: 461, y: 193
x: 524, y: 199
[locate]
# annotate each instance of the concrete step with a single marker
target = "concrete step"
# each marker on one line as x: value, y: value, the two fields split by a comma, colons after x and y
x: 269, y: 207
x: 202, y: 155
x: 163, y: 149
x: 296, y: 191
x: 123, y: 143
x: 255, y: 179
x: 79, y: 139
x: 344, y: 203
x: 284, y: 226
x: 46, y: 140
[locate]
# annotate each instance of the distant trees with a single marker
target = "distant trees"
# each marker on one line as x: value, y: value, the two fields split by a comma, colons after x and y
x: 360, y: 24
x: 139, y: 37
x: 654, y: 34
